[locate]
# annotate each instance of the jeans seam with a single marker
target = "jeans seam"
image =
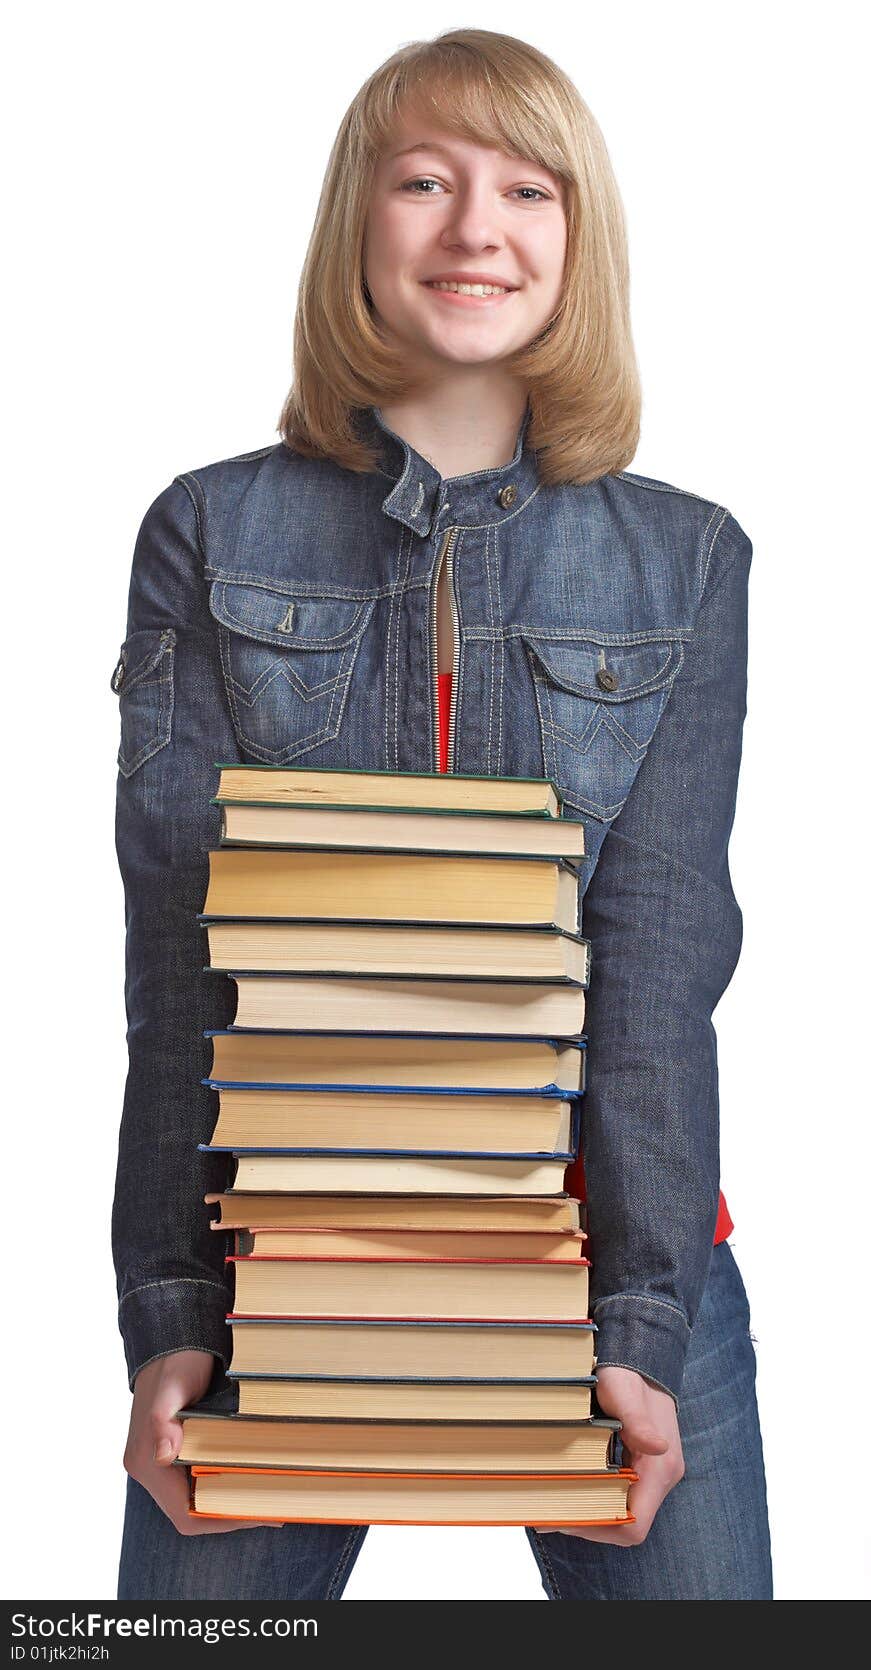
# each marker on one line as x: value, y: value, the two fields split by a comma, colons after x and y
x: 539, y: 1543
x: 344, y: 1557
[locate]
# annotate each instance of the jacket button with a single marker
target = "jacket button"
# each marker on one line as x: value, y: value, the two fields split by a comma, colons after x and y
x: 507, y: 495
x: 118, y: 675
x: 606, y: 680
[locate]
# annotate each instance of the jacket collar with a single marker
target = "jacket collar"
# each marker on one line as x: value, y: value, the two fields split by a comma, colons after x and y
x: 424, y: 502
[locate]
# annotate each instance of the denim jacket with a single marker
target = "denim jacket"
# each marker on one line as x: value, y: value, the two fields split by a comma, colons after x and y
x: 282, y: 610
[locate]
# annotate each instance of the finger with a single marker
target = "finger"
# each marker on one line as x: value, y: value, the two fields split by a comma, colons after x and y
x: 639, y: 1435
x: 165, y: 1430
x: 592, y: 1533
x: 599, y: 1533
x: 644, y: 1499
x: 647, y: 1494
x: 171, y: 1493
x: 166, y: 1437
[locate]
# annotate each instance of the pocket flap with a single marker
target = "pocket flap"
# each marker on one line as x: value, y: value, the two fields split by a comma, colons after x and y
x: 627, y: 670
x: 140, y: 654
x: 285, y: 620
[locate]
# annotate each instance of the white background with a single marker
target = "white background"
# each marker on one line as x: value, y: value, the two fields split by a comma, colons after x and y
x: 164, y: 167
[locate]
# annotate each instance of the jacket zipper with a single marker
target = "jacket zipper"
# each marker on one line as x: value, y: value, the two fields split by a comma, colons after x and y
x: 445, y: 553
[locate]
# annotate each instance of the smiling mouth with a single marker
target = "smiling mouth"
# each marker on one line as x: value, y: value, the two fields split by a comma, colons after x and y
x: 465, y: 294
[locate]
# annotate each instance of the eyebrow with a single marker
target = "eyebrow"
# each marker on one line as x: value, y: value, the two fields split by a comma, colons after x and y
x: 421, y: 145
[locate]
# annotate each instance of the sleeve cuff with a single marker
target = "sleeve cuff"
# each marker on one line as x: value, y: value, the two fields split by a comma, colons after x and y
x: 645, y: 1334
x: 180, y: 1315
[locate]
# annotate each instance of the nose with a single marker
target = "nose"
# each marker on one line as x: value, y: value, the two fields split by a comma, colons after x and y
x: 473, y: 221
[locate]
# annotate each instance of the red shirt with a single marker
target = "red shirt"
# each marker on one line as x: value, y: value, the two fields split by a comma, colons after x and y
x: 575, y: 1184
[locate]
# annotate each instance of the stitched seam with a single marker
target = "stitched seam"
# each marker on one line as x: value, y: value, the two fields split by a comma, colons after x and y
x: 353, y: 1538
x: 259, y: 452
x: 635, y: 752
x: 174, y: 1281
x: 539, y: 1543
x: 488, y: 575
x: 390, y: 672
x: 612, y: 1362
x: 328, y: 730
x: 200, y: 1345
x: 649, y: 687
x: 193, y: 489
x: 296, y: 588
x: 721, y: 581
x: 703, y: 567
x: 265, y: 634
x: 397, y: 601
x: 521, y: 629
x: 548, y: 729
x: 460, y: 668
x: 658, y: 486
x: 129, y: 764
x: 306, y: 692
x: 645, y: 1298
x: 497, y: 657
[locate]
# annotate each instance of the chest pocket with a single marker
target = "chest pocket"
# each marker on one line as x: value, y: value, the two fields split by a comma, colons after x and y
x: 288, y: 662
x: 598, y: 707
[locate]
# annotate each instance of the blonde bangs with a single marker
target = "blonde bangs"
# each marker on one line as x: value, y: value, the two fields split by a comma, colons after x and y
x: 580, y: 371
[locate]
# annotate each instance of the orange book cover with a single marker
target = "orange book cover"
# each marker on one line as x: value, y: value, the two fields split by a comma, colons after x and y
x: 344, y: 1472
x: 366, y: 1258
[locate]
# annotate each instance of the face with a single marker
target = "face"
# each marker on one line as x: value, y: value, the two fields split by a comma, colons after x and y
x: 444, y: 208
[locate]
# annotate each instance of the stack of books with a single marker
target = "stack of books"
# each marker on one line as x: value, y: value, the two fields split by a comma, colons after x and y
x: 400, y: 1094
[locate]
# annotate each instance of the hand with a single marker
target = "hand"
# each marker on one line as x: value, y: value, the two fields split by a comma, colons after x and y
x: 162, y: 1387
x: 651, y: 1445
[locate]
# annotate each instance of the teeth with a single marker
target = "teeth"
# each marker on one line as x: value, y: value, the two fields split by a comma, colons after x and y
x: 469, y: 289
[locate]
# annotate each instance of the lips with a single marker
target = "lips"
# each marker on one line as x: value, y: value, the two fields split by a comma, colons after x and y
x: 464, y: 298
x: 470, y: 278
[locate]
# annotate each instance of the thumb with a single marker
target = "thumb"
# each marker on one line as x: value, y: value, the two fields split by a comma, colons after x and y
x: 639, y: 1435
x: 627, y: 1401
x: 166, y: 1435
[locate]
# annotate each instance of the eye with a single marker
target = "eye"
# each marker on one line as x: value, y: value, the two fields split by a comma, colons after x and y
x: 427, y: 180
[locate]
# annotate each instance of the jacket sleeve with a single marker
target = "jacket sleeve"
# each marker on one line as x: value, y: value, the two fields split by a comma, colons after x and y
x: 666, y: 930
x: 175, y: 725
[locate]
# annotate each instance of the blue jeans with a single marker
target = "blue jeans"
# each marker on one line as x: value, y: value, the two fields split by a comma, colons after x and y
x: 709, y: 1540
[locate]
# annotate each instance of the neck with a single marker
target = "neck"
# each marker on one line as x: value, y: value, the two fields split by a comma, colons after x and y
x: 461, y: 425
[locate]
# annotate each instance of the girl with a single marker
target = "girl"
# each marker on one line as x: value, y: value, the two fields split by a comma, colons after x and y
x: 464, y: 385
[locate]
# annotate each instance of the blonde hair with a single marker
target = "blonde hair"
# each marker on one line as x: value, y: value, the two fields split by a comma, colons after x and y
x: 580, y: 371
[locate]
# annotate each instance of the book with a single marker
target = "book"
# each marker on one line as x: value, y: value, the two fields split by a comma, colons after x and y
x: 333, y: 1002
x: 552, y: 1213
x: 368, y: 1173
x: 418, y: 1061
x: 424, y: 1349
x: 413, y: 791
x: 366, y: 950
x: 419, y: 1244
x: 485, y: 1289
x: 399, y: 1095
x: 421, y: 1400
x: 393, y: 829
x: 343, y: 1498
x: 415, y: 888
x: 330, y: 1120
x: 233, y: 1440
